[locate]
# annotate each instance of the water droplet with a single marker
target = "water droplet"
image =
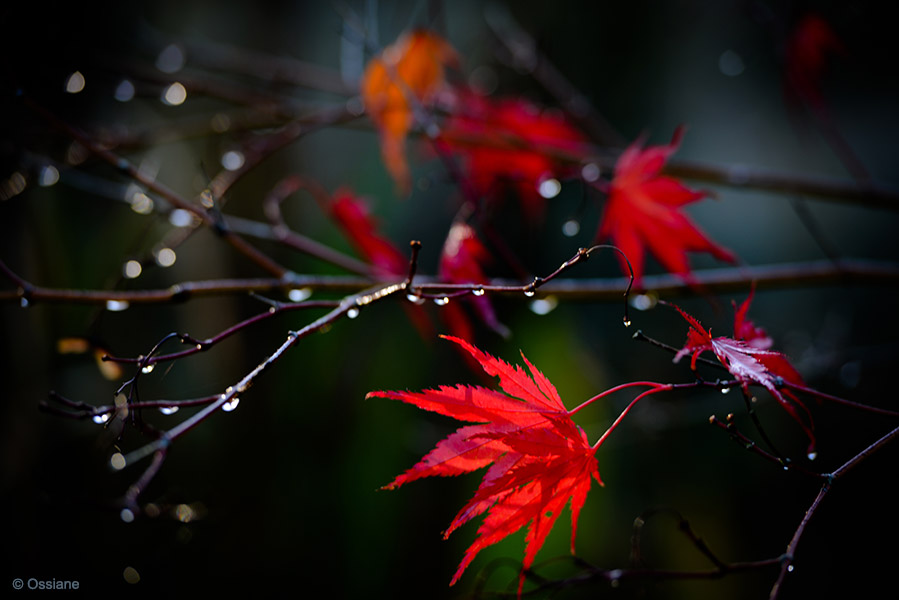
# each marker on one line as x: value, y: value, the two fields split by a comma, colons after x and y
x: 117, y: 461
x: 131, y: 575
x: 100, y: 419
x: 141, y: 203
x: 148, y: 368
x: 171, y: 59
x: 725, y: 390
x: 352, y: 313
x: 730, y: 63
x: 441, y: 301
x: 571, y: 228
x: 174, y: 94
x: 478, y: 292
x: 168, y: 410
x: 790, y: 568
x: 132, y: 269
x: 165, y: 257
x: 812, y: 455
x: 627, y: 322
x: 180, y: 217
x: 75, y: 83
x: 49, y: 175
x: 590, y: 172
x: 24, y: 303
x: 220, y: 123
x: 529, y: 293
x: 124, y: 92
x: 544, y: 306
x: 206, y: 198
x: 615, y: 577
x: 231, y: 404
x: 233, y: 160
x: 298, y: 295
x: 549, y: 188
x: 126, y: 515
x: 644, y: 301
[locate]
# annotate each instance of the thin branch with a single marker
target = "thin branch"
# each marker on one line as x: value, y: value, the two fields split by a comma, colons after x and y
x: 721, y: 280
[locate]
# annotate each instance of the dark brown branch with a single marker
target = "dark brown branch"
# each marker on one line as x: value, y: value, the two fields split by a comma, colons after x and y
x: 588, y: 289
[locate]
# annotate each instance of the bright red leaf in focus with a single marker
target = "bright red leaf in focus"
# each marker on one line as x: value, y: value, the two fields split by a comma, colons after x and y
x: 508, y: 143
x: 642, y: 211
x: 410, y: 70
x: 748, y: 359
x: 539, y: 458
x: 460, y: 262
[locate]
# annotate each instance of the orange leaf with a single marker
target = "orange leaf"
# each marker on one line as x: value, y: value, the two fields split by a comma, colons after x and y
x: 408, y: 71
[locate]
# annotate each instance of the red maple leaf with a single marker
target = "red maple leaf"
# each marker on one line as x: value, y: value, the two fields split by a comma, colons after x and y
x: 642, y: 211
x: 460, y: 262
x: 507, y: 144
x: 540, y: 459
x: 408, y: 71
x: 354, y: 217
x: 747, y: 358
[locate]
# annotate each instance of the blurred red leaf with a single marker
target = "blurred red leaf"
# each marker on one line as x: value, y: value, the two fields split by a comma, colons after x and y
x: 540, y: 458
x: 642, y: 212
x: 809, y: 47
x: 508, y: 143
x: 460, y: 262
x: 411, y: 69
x: 355, y: 218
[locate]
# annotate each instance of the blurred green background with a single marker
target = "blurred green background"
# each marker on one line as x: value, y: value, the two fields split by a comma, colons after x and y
x: 283, y: 492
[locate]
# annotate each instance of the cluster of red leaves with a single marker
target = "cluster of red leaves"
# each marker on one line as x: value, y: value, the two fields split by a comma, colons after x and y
x: 642, y: 212
x: 509, y: 143
x: 748, y: 358
x: 410, y: 70
x: 460, y: 262
x: 538, y: 458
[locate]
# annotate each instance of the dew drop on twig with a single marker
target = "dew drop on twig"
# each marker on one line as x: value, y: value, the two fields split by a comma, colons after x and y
x: 100, y: 419
x: 168, y: 410
x: 231, y: 404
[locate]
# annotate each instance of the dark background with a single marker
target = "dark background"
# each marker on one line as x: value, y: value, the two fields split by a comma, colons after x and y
x: 284, y: 489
